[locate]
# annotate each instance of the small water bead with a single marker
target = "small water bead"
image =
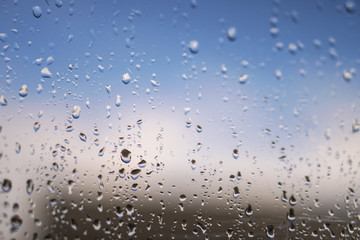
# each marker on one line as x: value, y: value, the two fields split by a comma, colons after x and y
x: 350, y: 6
x: 199, y: 129
x: 231, y: 34
x: 291, y: 214
x: 37, y: 12
x: 45, y: 73
x: 101, y: 152
x: 126, y: 78
x: 76, y: 112
x: 36, y: 126
x: 29, y: 186
x: 182, y: 197
x: 292, y: 200
x: 3, y: 101
x: 142, y: 164
x: 194, y: 46
x: 193, y: 164
x: 82, y: 137
x: 122, y: 172
x: 118, y: 101
x: 236, y: 192
x: 23, y: 92
x: 6, y: 185
x: 235, y: 154
x: 243, y: 78
x: 135, y: 174
x: 347, y: 76
x: 249, y: 211
x: 125, y: 155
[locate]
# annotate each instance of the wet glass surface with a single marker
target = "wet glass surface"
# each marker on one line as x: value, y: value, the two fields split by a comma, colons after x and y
x: 179, y: 119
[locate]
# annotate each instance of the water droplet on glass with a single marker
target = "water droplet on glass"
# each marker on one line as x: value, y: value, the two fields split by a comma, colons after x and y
x: 45, y: 73
x: 243, y: 78
x: 23, y: 92
x: 101, y: 152
x: 142, y: 164
x: 118, y: 100
x: 182, y: 197
x: 108, y: 88
x: 270, y: 231
x: 36, y: 126
x: 194, y: 46
x: 17, y: 147
x: 291, y: 214
x: 235, y: 154
x: 350, y: 6
x: 16, y: 222
x: 249, y: 210
x: 76, y: 112
x: 135, y: 174
x: 292, y: 200
x: 6, y: 185
x: 3, y: 101
x: 37, y: 12
x: 126, y: 78
x: 82, y: 137
x: 198, y: 128
x: 97, y: 224
x: 231, y: 34
x: 347, y: 76
x: 236, y: 192
x: 125, y: 155
x: 193, y: 164
x: 29, y: 186
x: 59, y: 3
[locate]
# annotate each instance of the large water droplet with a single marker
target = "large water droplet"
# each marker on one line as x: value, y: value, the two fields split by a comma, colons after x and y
x: 23, y: 92
x: 37, y: 12
x: 182, y: 197
x: 249, y: 210
x: 236, y: 192
x: 194, y: 46
x: 142, y: 164
x: 125, y: 155
x: 291, y: 214
x: 76, y: 112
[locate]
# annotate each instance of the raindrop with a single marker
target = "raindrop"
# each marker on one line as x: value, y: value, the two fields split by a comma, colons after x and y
x: 350, y: 6
x: 231, y: 34
x: 132, y: 229
x: 17, y: 147
x: 125, y: 155
x: 16, y: 221
x: 292, y: 200
x: 291, y: 214
x: 356, y: 126
x: 3, y: 101
x: 270, y: 231
x: 118, y: 100
x: 198, y: 128
x: 122, y: 173
x: 45, y: 73
x: 193, y: 164
x: 82, y: 137
x: 236, y: 192
x: 182, y: 197
x: 142, y: 164
x: 76, y: 112
x: 37, y: 12
x: 108, y: 88
x: 59, y: 3
x: 36, y: 126
x: 6, y: 185
x: 101, y: 152
x: 29, y: 186
x: 243, y: 78
x: 249, y: 211
x: 194, y: 46
x: 97, y: 224
x: 235, y: 154
x: 126, y: 78
x: 23, y: 92
x: 135, y: 174
x: 347, y: 76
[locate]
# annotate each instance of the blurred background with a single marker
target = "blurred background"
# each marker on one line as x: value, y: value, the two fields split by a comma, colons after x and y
x: 179, y: 119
